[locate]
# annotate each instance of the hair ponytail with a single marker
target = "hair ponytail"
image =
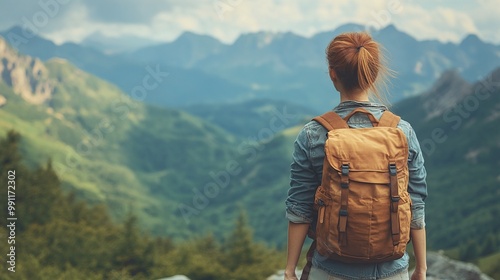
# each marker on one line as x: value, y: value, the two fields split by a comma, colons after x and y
x: 358, y: 62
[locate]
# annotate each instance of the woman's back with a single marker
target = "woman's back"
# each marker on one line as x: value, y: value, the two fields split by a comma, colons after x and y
x: 354, y: 66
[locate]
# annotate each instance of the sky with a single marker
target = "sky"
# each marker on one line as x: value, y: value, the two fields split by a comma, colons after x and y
x: 165, y: 20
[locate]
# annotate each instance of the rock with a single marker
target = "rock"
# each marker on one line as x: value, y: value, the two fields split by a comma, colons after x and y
x: 440, y: 267
x: 3, y: 101
x: 27, y: 76
x: 281, y: 274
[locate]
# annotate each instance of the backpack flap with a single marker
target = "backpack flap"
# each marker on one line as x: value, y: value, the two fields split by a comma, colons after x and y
x: 367, y: 149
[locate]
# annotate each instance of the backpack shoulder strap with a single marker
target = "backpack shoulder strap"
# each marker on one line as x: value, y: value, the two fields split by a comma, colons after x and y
x: 389, y: 119
x: 331, y: 120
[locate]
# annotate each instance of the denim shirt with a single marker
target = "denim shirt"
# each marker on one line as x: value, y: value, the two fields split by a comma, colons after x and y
x: 306, y: 173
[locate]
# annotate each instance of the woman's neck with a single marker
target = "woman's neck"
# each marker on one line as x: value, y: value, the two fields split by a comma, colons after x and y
x: 361, y: 96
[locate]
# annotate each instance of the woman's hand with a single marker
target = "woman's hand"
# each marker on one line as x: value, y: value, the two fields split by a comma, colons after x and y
x: 418, y: 274
x: 290, y: 275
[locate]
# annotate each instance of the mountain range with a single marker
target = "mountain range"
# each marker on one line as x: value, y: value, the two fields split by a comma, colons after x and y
x: 105, y: 146
x: 190, y: 170
x: 265, y: 65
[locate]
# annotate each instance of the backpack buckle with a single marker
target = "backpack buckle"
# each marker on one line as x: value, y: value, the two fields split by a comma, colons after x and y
x: 345, y: 169
x: 392, y: 169
x: 343, y: 212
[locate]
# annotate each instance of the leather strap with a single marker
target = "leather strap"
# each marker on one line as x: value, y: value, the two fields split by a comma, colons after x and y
x: 344, y: 198
x: 307, y: 268
x: 389, y: 119
x: 364, y: 111
x: 394, y: 203
x: 331, y: 120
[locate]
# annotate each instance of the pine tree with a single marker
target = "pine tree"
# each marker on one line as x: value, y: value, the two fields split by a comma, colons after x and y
x: 490, y: 246
x: 246, y: 259
x: 133, y: 254
x: 41, y: 198
x: 469, y: 251
x: 10, y: 158
x: 239, y: 245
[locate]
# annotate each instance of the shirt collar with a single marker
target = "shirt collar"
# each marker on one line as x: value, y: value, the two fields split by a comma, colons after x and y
x: 351, y: 104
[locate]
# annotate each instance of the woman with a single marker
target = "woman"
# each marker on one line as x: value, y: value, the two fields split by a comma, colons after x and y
x: 355, y: 68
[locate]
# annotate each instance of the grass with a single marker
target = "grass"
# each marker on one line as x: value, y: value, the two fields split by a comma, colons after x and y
x: 490, y: 265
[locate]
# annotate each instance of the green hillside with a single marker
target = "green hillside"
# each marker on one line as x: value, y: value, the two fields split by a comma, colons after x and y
x: 260, y: 188
x: 109, y: 148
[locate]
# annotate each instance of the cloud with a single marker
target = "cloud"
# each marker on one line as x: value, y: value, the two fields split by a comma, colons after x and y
x: 442, y: 23
x: 13, y: 11
x: 127, y: 11
x: 226, y: 19
x: 44, y: 14
x: 486, y: 17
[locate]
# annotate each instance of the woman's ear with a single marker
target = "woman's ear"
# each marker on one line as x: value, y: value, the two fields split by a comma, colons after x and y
x: 334, y: 78
x: 333, y: 75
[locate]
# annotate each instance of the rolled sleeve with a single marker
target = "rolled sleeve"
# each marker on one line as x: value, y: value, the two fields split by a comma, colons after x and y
x: 296, y: 218
x: 303, y: 181
x: 417, y: 185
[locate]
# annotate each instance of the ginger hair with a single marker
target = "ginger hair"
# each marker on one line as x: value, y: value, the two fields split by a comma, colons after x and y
x: 359, y: 63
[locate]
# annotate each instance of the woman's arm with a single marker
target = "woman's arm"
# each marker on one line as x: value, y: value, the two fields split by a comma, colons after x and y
x: 305, y: 176
x: 296, y: 235
x: 419, y: 248
x: 417, y: 187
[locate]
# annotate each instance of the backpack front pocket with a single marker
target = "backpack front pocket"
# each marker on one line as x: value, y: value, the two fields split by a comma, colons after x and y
x: 324, y: 227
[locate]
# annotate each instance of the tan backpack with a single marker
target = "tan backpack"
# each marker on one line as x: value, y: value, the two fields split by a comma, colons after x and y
x: 364, y: 209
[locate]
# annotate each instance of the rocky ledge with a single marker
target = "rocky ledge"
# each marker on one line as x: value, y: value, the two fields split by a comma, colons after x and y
x: 439, y: 267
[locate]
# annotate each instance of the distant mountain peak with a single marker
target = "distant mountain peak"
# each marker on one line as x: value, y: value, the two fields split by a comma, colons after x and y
x: 261, y: 39
x: 24, y: 39
x: 390, y: 31
x: 187, y: 35
x: 192, y: 37
x: 446, y: 92
x: 391, y: 27
x: 15, y: 29
x: 19, y: 31
x: 471, y: 40
x: 190, y: 34
x: 448, y: 79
